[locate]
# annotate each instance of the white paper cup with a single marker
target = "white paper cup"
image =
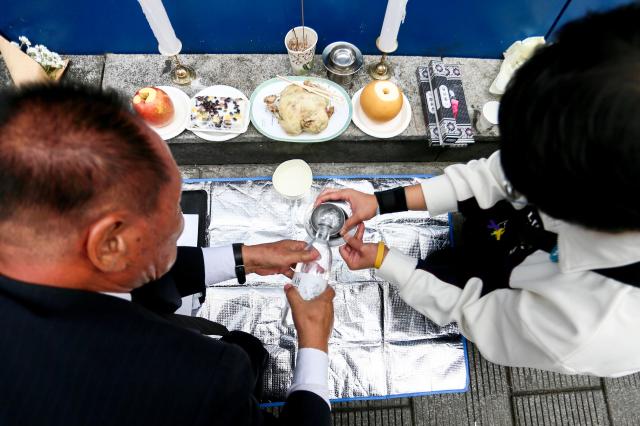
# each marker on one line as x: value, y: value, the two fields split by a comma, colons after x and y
x: 488, y: 117
x: 293, y: 179
x: 301, y: 61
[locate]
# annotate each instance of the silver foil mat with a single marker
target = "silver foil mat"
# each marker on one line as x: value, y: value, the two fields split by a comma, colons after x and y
x: 380, y: 346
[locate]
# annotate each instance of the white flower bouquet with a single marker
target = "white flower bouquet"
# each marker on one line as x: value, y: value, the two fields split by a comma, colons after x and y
x: 27, y: 63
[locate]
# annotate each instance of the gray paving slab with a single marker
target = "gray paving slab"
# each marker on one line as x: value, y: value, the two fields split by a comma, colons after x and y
x: 86, y: 69
x: 531, y: 379
x: 189, y: 172
x: 477, y: 76
x: 393, y: 412
x: 387, y: 417
x: 623, y: 397
x: 486, y: 403
x: 581, y: 408
x: 320, y: 169
x: 5, y: 78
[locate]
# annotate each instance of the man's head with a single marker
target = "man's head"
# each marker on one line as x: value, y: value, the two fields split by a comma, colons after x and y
x: 87, y: 190
x: 570, y: 123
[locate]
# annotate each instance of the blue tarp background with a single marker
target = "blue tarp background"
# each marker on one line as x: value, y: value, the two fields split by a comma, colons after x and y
x: 469, y: 28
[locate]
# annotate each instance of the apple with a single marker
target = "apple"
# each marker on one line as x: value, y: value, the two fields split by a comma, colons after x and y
x: 154, y: 106
x: 381, y: 100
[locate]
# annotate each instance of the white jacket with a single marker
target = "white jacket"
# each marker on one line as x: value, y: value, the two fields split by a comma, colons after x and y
x: 556, y: 316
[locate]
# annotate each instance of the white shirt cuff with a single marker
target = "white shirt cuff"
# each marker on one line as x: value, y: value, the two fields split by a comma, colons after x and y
x: 311, y: 373
x: 219, y: 264
x: 397, y: 267
x: 439, y: 195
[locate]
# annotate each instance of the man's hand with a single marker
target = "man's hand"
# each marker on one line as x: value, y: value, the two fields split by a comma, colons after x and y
x: 276, y: 258
x: 363, y: 206
x: 313, y: 318
x: 358, y: 255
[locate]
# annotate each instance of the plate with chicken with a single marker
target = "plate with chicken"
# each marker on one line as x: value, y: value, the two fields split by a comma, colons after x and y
x: 300, y: 109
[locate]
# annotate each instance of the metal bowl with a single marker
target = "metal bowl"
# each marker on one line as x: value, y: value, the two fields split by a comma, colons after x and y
x: 333, y: 213
x: 342, y: 61
x: 329, y: 215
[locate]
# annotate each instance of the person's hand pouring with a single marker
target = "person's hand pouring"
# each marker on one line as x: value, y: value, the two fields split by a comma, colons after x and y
x: 276, y: 258
x: 363, y: 206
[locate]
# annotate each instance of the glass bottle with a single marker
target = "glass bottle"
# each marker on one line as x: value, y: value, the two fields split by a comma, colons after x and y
x: 312, y: 277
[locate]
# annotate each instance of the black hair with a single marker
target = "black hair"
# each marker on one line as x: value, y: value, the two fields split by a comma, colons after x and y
x: 64, y: 147
x: 570, y: 123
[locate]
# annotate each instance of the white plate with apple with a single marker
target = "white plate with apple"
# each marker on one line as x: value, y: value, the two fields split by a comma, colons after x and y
x: 222, y: 91
x: 165, y: 110
x: 378, y: 128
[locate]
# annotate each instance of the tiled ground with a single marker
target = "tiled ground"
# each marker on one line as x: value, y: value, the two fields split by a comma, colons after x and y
x: 507, y: 396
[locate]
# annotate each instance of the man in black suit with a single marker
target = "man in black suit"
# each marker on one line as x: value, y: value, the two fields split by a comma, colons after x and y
x: 89, y: 205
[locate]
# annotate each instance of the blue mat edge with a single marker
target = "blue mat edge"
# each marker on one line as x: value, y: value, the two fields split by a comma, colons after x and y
x: 399, y: 395
x: 364, y: 398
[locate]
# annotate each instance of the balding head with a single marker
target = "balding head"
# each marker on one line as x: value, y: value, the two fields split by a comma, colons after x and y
x: 66, y: 150
x: 89, y: 194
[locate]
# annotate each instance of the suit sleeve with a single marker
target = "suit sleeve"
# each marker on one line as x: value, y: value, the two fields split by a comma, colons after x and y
x: 231, y: 399
x: 186, y: 277
x: 305, y: 408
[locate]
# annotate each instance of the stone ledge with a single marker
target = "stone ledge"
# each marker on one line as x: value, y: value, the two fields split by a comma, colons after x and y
x: 578, y: 408
x: 126, y: 73
x: 531, y: 380
x: 85, y: 69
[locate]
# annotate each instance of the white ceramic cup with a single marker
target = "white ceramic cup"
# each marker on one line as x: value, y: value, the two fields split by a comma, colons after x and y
x: 488, y: 117
x: 301, y: 61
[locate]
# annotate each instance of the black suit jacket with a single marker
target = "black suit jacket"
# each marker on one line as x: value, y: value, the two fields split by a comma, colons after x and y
x: 71, y: 357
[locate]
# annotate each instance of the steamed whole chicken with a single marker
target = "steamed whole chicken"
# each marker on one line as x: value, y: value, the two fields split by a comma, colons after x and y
x: 299, y: 110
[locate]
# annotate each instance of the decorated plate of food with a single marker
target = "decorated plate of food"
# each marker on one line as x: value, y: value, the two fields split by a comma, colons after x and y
x: 300, y: 109
x: 219, y: 113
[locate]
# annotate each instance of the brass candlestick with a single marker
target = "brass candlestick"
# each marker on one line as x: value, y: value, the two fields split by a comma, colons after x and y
x: 182, y: 74
x: 382, y: 70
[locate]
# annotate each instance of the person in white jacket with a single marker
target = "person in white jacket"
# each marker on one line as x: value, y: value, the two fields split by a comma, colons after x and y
x: 547, y: 272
